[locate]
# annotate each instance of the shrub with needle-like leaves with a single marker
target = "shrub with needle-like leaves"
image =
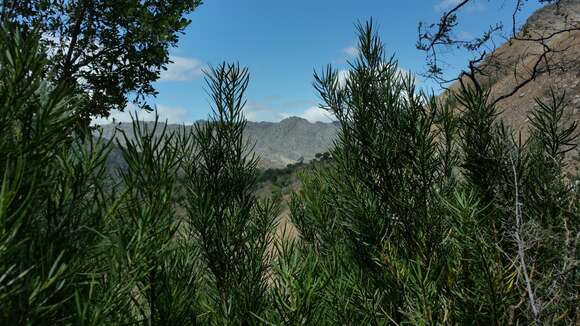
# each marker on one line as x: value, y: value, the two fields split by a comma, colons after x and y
x: 427, y: 211
x: 233, y: 228
x: 449, y: 216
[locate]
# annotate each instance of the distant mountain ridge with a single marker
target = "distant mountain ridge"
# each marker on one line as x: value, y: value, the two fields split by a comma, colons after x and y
x: 278, y: 144
x: 294, y: 139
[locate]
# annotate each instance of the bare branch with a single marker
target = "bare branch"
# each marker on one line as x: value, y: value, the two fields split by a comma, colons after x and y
x: 518, y: 235
x: 434, y: 38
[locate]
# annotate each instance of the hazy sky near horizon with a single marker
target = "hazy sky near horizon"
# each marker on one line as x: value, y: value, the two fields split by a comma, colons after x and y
x: 283, y: 42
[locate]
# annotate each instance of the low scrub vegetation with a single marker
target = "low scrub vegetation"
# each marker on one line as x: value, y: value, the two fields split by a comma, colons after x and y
x: 427, y: 211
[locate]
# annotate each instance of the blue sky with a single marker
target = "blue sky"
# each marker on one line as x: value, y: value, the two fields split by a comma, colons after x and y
x: 282, y: 42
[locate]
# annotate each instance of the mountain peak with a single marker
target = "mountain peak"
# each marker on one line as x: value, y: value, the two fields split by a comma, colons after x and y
x: 294, y: 119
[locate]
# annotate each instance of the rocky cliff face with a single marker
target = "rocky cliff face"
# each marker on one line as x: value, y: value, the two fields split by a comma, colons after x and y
x: 277, y: 143
x: 290, y: 140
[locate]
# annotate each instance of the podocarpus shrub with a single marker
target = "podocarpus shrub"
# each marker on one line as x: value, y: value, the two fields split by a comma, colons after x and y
x: 79, y: 248
x: 436, y: 211
x: 232, y: 228
x: 51, y: 198
x: 150, y: 247
x: 429, y: 212
x: 76, y: 248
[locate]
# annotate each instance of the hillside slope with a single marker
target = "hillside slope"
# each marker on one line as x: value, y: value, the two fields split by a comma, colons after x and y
x: 513, y: 61
x: 277, y: 143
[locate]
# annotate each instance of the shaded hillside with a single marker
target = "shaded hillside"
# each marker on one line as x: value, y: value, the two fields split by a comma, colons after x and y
x: 277, y: 143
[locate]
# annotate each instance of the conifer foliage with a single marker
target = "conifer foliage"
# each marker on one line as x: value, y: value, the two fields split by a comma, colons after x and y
x: 437, y: 212
x: 427, y: 211
x: 234, y: 230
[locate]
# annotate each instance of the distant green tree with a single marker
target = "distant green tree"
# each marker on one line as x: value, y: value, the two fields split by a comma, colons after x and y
x: 108, y: 50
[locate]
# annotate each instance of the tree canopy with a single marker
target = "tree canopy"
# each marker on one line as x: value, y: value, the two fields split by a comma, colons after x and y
x: 110, y: 50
